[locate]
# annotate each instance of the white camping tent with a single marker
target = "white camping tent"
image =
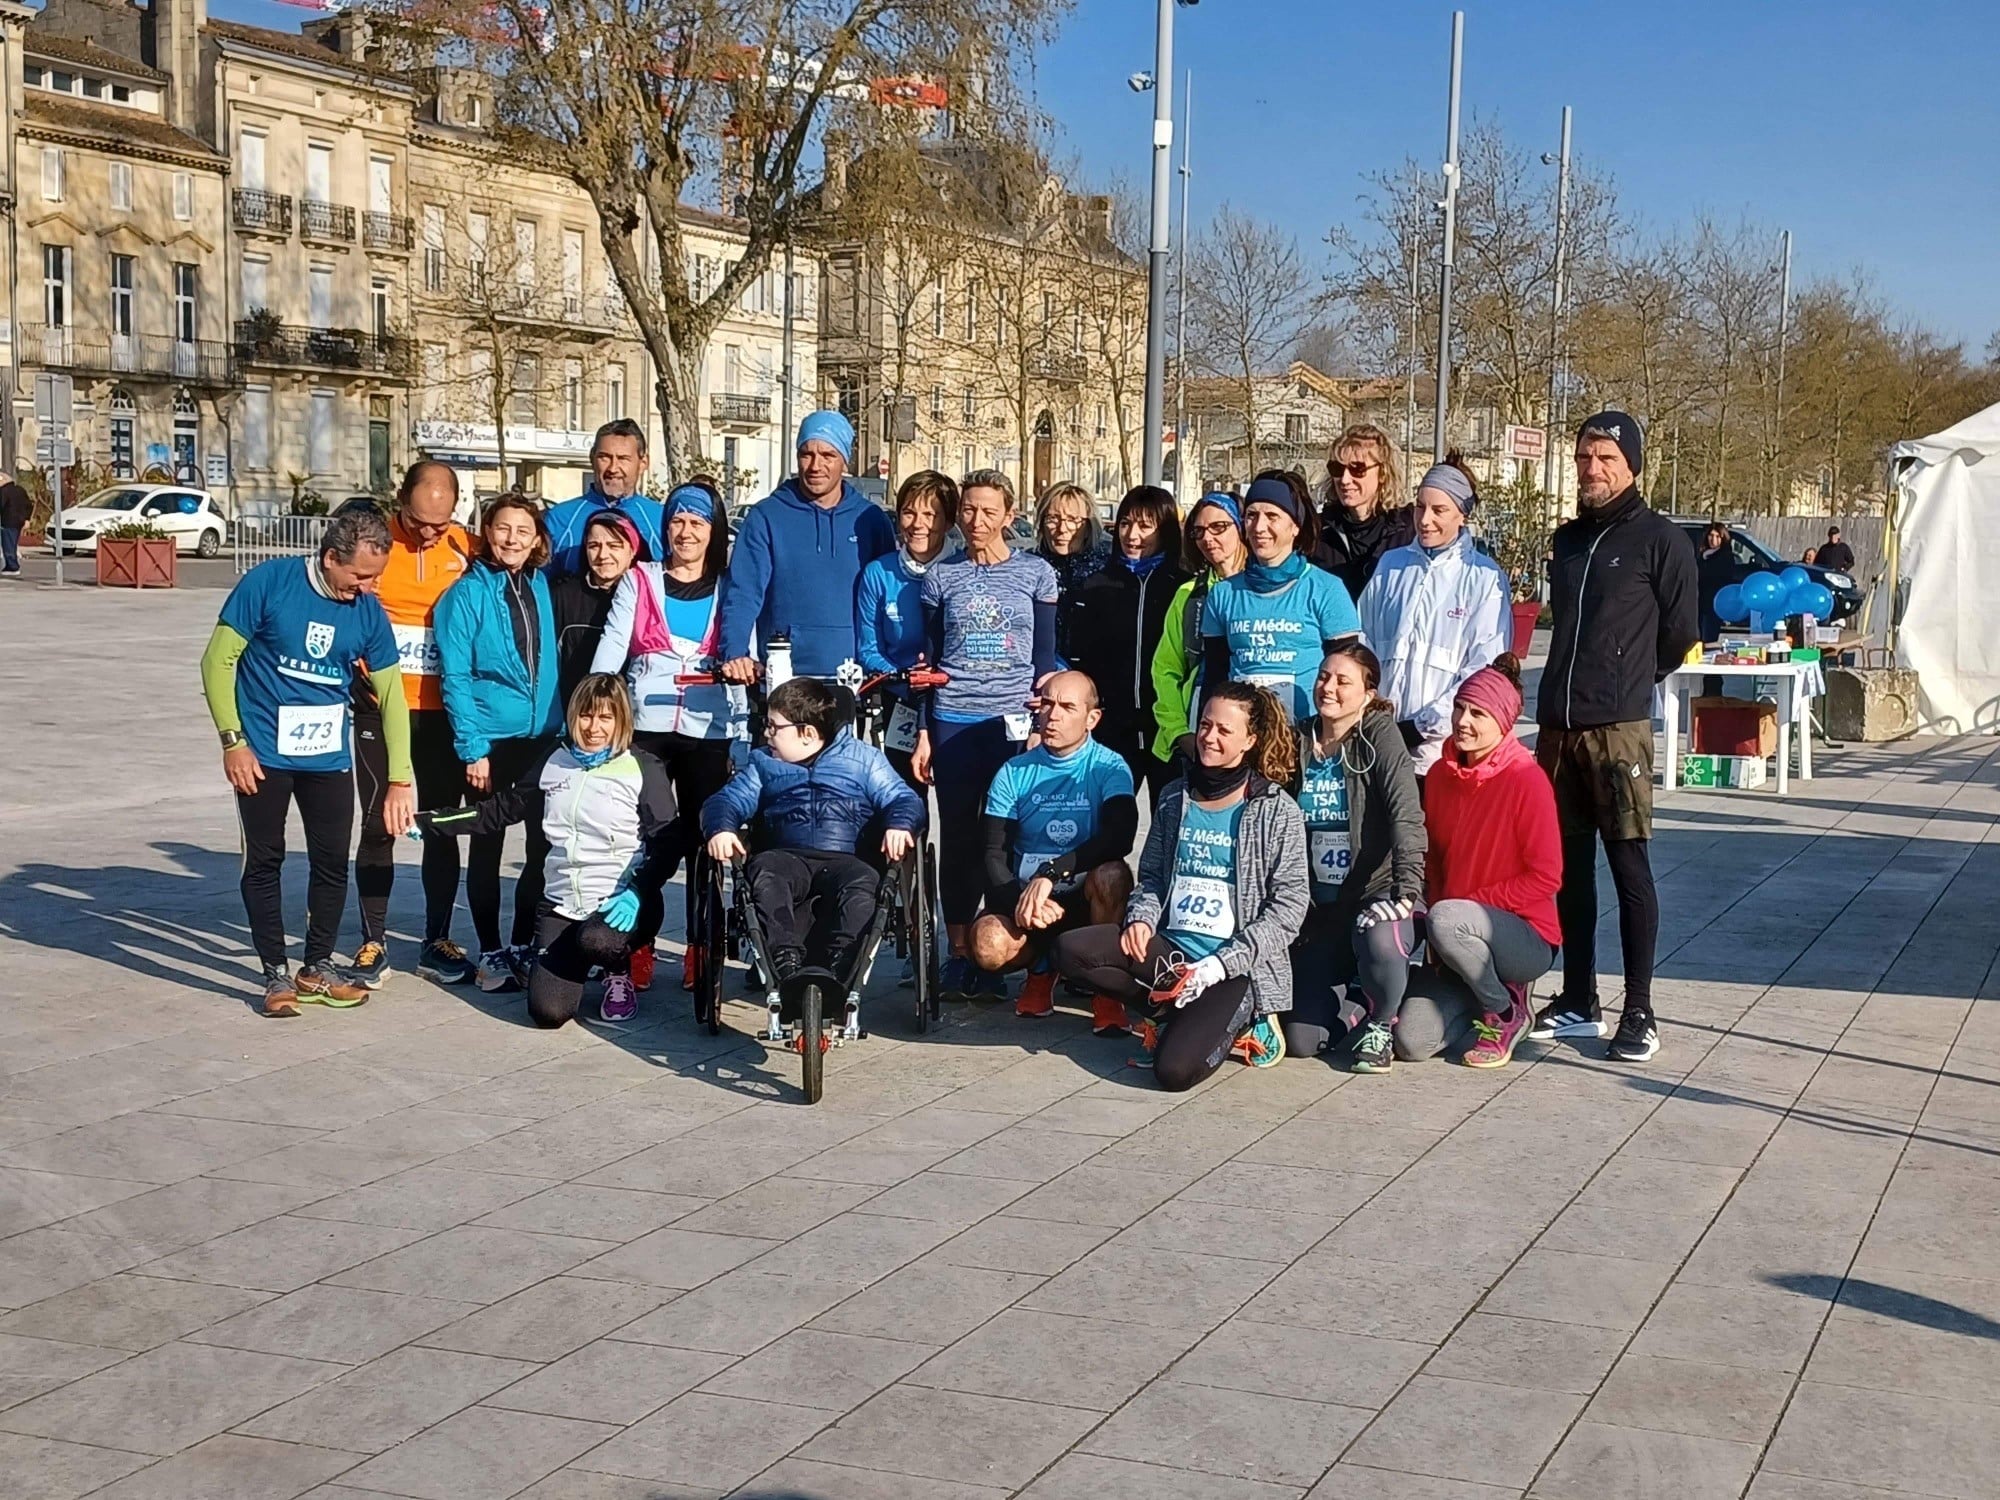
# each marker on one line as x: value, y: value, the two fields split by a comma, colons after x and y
x: 1948, y: 520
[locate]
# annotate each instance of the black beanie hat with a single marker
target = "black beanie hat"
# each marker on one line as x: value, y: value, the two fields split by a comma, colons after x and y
x: 1623, y: 430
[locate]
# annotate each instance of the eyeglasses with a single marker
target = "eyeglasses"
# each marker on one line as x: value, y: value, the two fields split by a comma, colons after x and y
x: 1353, y: 471
x: 772, y: 728
x: 1214, y: 528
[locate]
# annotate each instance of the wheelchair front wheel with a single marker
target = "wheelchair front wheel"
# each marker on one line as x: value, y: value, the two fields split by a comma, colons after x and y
x: 923, y: 936
x: 812, y: 1042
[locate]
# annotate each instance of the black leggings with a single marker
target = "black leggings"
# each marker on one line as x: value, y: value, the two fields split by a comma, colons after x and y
x: 1194, y: 1041
x: 1329, y: 955
x: 964, y: 760
x: 506, y: 762
x: 440, y: 786
x: 1638, y: 917
x: 816, y: 901
x: 326, y: 808
x: 571, y: 949
x: 698, y: 769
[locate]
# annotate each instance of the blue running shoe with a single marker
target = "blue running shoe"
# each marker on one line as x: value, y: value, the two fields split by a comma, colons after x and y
x: 955, y: 980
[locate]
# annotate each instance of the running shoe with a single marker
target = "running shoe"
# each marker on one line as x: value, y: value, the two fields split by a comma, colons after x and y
x: 1562, y: 1018
x: 496, y: 972
x: 281, y: 996
x: 1108, y: 1017
x: 1373, y: 1051
x: 323, y: 984
x: 1262, y: 1046
x: 955, y: 980
x: 370, y: 967
x: 1178, y: 986
x: 1038, y: 996
x: 446, y: 962
x: 1495, y: 1037
x: 620, y: 1003
x: 1638, y: 1037
x: 987, y: 986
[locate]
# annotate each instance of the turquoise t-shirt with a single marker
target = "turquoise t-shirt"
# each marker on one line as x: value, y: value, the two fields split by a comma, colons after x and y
x: 1201, y: 899
x: 1056, y: 800
x: 1278, y: 639
x: 1323, y: 800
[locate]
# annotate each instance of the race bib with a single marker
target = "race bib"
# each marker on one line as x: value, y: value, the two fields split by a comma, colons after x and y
x: 306, y: 732
x: 1332, y: 854
x: 1280, y: 683
x: 417, y: 651
x: 901, y: 734
x: 1203, y: 905
x: 1019, y: 726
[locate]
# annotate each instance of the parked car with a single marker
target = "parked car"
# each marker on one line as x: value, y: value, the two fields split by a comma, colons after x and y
x: 190, y: 516
x: 1750, y: 555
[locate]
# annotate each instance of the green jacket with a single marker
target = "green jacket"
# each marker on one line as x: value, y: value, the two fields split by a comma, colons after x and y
x: 1177, y: 665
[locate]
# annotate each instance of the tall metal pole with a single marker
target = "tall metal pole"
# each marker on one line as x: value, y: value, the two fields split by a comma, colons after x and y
x: 785, y: 405
x: 1410, y: 371
x: 1180, y: 294
x: 1784, y: 328
x: 1156, y: 260
x: 1450, y: 248
x: 1556, y: 310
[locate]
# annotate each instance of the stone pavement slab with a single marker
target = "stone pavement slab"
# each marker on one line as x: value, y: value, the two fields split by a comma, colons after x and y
x: 423, y: 1249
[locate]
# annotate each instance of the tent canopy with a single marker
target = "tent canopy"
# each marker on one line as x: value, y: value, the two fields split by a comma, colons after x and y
x: 1948, y: 519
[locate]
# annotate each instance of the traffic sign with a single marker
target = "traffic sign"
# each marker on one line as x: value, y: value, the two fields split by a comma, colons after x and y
x: 58, y: 451
x: 52, y: 401
x: 1530, y: 443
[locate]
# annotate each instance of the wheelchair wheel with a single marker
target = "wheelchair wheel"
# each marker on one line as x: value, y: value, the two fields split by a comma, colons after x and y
x: 927, y: 926
x: 812, y: 1042
x: 705, y: 943
x: 920, y: 923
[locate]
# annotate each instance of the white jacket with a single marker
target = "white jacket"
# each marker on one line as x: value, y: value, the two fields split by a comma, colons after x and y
x: 1434, y: 621
x: 638, y: 643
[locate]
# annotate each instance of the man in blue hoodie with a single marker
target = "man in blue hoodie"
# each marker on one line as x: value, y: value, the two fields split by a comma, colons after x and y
x: 798, y: 554
x: 618, y: 468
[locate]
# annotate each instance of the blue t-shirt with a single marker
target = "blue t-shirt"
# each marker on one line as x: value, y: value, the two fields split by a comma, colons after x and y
x: 1201, y: 899
x: 988, y: 610
x: 889, y: 615
x: 1055, y: 800
x: 292, y: 679
x: 1323, y: 800
x: 1279, y: 637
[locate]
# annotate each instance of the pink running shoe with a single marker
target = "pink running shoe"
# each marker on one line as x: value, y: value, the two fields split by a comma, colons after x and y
x: 620, y: 1003
x: 1496, y: 1036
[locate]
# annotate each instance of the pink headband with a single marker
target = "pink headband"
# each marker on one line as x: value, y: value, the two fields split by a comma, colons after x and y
x: 1493, y: 691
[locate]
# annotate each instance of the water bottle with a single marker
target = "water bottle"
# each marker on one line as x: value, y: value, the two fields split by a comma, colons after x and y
x: 777, y: 661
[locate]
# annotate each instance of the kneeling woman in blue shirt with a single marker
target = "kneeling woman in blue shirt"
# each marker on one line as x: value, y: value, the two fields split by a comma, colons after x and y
x: 1206, y: 945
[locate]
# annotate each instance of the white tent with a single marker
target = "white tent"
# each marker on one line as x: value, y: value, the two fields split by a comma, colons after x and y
x: 1948, y: 524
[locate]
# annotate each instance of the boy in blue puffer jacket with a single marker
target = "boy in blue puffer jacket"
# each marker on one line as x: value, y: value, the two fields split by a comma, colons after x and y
x: 814, y: 793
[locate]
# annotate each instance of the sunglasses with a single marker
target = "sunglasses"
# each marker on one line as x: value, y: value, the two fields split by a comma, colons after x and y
x: 1353, y: 471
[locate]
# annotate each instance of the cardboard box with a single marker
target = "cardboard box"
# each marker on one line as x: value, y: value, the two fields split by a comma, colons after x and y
x: 1733, y: 727
x: 1738, y: 772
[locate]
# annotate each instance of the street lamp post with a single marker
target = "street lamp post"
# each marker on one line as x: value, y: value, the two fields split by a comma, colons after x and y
x: 1556, y: 311
x: 1180, y: 293
x: 1784, y: 328
x: 1157, y: 250
x: 1450, y: 207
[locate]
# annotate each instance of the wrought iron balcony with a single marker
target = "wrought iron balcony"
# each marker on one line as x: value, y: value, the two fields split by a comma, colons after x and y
x: 331, y: 223
x: 134, y: 356
x: 1062, y: 369
x: 737, y: 410
x: 262, y: 342
x: 259, y: 212
x: 391, y: 232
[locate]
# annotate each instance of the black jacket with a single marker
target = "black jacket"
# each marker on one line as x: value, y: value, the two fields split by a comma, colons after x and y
x: 15, y: 506
x: 580, y: 609
x: 1623, y: 590
x: 1835, y: 557
x: 1385, y: 812
x: 1350, y: 550
x: 1116, y: 620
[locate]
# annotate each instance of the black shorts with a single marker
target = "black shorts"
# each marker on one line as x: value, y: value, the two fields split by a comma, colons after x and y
x: 1603, y: 779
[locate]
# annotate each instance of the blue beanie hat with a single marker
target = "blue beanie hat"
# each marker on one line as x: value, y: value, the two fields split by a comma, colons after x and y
x: 1274, y: 492
x: 831, y: 428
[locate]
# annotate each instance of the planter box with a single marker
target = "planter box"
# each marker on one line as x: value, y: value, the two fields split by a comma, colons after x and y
x: 136, y: 563
x: 1526, y: 616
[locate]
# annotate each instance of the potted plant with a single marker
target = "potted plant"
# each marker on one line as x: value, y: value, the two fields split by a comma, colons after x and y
x: 261, y: 331
x: 135, y: 555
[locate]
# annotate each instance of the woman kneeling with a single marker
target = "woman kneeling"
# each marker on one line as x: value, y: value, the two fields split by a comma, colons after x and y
x: 1205, y: 952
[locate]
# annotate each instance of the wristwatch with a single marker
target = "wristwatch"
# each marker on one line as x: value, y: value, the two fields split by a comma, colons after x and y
x: 231, y: 738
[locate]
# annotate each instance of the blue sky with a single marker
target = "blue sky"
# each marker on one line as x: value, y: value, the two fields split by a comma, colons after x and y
x: 1869, y: 130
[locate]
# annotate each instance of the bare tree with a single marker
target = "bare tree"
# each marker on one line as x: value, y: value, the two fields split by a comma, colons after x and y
x: 646, y: 103
x: 1107, y: 286
x: 1250, y: 295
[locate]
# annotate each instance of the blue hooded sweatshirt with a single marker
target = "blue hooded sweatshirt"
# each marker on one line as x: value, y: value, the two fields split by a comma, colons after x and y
x: 794, y: 570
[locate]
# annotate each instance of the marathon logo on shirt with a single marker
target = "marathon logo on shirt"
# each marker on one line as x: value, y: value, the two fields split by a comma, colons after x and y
x: 319, y: 639
x: 305, y: 670
x: 1206, y: 851
x: 1264, y: 633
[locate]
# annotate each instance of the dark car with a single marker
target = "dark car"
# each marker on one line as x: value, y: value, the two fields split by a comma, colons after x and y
x: 1748, y: 555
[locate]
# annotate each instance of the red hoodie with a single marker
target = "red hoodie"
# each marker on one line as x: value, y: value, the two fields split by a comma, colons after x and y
x: 1493, y: 835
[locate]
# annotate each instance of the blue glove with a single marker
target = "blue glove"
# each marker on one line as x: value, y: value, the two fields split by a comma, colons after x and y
x: 620, y: 909
x: 414, y: 832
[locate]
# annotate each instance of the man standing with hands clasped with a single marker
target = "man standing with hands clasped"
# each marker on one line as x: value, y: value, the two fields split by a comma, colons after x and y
x: 1623, y: 589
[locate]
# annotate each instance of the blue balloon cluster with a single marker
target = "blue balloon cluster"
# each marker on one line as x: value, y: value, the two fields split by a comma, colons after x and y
x: 1791, y: 592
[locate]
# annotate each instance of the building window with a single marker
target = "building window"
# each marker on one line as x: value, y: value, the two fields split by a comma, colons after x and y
x: 572, y: 272
x: 972, y: 310
x: 250, y: 160
x: 1098, y: 471
x: 319, y: 432
x: 52, y: 174
x: 1000, y: 317
x: 969, y: 407
x: 31, y: 75
x: 434, y: 378
x: 120, y: 94
x: 319, y: 296
x: 572, y: 395
x: 521, y: 402
x: 187, y: 440
x: 123, y: 322
x: 732, y: 369
x: 256, y: 424
x: 937, y: 310
x: 55, y: 285
x: 185, y: 286
x: 124, y: 436
x: 937, y: 456
x: 256, y: 283
x: 1100, y: 419
x: 526, y: 246
x: 433, y: 247
x: 968, y: 460
x: 319, y: 173
x: 183, y: 196
x: 937, y: 406
x: 379, y: 294
x: 121, y: 185
x: 381, y: 185
x: 1295, y: 427
x: 614, y: 392
x: 1076, y: 332
x: 478, y: 230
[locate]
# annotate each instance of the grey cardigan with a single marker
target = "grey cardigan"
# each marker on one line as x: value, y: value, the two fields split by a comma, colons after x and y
x: 1272, y: 889
x: 1383, y: 809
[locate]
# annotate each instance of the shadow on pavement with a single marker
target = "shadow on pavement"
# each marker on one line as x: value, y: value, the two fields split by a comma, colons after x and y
x: 1890, y: 1302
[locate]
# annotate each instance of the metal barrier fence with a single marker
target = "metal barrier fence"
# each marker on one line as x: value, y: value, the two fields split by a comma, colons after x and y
x: 261, y: 538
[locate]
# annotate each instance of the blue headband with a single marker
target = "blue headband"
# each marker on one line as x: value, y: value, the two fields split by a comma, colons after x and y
x: 831, y: 428
x: 692, y: 500
x: 1274, y: 492
x: 1224, y: 503
x: 1449, y: 480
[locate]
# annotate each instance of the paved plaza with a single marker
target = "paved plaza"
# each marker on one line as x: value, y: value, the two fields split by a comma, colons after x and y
x: 419, y: 1249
